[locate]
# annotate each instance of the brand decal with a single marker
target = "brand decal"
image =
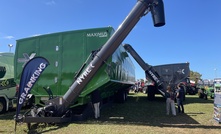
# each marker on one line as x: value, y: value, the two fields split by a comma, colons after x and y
x: 154, y: 77
x: 99, y: 34
x: 84, y: 74
x: 26, y: 58
x: 31, y: 81
x: 4, y: 83
x: 181, y: 71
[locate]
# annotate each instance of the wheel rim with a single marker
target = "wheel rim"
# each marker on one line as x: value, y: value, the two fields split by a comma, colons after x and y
x: 124, y: 96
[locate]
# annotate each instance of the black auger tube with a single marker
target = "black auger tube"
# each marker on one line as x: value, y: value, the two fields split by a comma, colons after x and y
x: 136, y: 56
x: 62, y: 104
x: 149, y: 70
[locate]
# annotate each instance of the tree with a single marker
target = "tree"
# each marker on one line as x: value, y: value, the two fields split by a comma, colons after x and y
x: 195, y: 76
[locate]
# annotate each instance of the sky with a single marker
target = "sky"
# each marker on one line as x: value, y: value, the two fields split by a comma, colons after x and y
x: 191, y: 34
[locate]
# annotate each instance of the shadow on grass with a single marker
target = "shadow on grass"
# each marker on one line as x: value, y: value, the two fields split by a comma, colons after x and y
x: 41, y: 128
x: 139, y: 111
x: 196, y: 99
x: 8, y: 115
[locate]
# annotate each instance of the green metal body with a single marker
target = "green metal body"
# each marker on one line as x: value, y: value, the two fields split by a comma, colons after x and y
x: 7, y: 84
x: 205, y: 89
x: 66, y: 53
x: 210, y: 92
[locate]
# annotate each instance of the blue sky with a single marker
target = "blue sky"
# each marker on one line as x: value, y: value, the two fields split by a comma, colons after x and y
x: 192, y: 32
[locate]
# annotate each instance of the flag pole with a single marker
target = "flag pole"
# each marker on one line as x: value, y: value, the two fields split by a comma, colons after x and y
x: 15, y: 126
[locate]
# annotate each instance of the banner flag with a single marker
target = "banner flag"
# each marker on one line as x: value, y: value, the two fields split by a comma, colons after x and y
x: 30, y: 74
x: 217, y: 99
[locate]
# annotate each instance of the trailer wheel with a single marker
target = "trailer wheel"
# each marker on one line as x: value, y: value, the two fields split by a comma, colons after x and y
x: 2, y: 106
x: 200, y: 93
x: 121, y: 96
x: 151, y: 92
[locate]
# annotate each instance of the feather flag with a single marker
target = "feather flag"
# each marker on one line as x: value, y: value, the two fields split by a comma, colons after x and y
x: 30, y: 74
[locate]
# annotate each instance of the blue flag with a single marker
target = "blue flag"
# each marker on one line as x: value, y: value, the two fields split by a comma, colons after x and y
x: 30, y: 74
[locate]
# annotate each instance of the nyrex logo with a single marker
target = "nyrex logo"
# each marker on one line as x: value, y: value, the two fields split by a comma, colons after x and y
x: 26, y: 58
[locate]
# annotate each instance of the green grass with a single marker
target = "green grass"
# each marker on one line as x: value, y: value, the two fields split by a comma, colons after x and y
x: 136, y: 116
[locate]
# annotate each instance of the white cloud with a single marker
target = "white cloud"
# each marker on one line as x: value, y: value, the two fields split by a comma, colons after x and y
x: 36, y: 35
x: 8, y: 37
x: 52, y: 2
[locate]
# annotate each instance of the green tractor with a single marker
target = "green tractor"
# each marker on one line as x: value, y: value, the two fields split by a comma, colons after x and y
x: 206, y: 89
x: 210, y: 92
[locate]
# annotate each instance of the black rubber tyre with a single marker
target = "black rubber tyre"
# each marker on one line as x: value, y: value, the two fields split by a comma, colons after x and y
x: 121, y: 96
x: 2, y: 106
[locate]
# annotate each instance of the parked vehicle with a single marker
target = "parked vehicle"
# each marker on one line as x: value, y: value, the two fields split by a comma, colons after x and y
x: 172, y: 74
x: 206, y: 89
x: 217, y: 84
x: 7, y: 84
x: 138, y: 87
x: 109, y: 63
x: 191, y: 87
x: 161, y: 75
x: 68, y: 53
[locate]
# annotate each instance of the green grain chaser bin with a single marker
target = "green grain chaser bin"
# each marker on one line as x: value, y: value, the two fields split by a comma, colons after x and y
x: 68, y: 53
